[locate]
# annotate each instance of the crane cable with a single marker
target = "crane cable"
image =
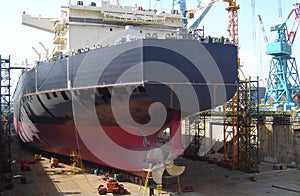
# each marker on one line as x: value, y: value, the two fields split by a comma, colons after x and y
x: 253, y: 24
x: 279, y: 9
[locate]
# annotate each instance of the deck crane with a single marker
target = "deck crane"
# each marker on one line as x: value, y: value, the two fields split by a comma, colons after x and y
x: 203, y: 8
x: 283, y: 80
x: 200, y: 13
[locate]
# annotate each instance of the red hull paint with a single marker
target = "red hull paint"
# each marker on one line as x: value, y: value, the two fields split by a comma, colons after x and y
x: 116, y: 148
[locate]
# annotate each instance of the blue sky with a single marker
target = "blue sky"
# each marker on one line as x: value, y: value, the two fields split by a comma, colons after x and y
x: 17, y: 40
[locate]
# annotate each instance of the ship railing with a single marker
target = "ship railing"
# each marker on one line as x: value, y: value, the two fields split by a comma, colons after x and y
x: 107, y: 7
x: 216, y: 40
x: 133, y: 17
x: 124, y: 39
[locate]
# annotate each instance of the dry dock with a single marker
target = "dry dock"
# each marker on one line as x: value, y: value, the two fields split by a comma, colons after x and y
x: 200, y: 177
x: 64, y: 179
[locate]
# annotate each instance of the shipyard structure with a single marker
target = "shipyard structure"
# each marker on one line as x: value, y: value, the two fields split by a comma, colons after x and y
x: 133, y: 89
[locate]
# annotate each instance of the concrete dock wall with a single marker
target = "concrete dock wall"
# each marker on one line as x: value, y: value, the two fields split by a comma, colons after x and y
x: 279, y: 142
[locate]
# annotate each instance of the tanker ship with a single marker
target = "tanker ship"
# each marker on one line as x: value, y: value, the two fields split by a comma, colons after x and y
x: 117, y: 78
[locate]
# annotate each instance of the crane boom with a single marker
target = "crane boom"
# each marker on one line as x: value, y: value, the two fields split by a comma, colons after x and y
x: 200, y: 13
x: 263, y: 29
x: 233, y: 20
x: 292, y: 34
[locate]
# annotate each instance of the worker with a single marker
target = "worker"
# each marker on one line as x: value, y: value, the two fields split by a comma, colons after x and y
x: 222, y: 40
x: 209, y: 39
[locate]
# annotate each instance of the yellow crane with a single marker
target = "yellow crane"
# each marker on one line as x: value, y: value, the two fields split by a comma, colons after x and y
x: 240, y: 131
x: 231, y: 123
x: 232, y: 29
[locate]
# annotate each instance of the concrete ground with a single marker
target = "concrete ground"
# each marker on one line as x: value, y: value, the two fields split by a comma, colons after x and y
x: 204, y: 178
x: 210, y: 179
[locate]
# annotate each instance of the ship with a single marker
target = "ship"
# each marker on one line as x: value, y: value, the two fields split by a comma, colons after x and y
x: 118, y: 77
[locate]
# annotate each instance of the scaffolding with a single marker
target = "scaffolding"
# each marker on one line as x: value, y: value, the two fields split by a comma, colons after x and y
x: 195, y: 127
x: 242, y: 122
x: 5, y: 118
x: 241, y: 129
x: 75, y: 160
x: 248, y: 132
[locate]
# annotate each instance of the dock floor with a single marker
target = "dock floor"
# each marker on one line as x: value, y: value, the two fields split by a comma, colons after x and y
x: 200, y: 178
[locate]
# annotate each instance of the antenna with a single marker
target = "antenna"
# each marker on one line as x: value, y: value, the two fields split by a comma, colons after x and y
x: 38, y: 53
x: 46, y: 50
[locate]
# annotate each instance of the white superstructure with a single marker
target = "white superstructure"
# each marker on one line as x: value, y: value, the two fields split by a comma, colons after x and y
x: 87, y: 26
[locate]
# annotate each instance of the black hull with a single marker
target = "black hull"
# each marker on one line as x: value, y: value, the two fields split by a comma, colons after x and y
x: 142, y: 85
x: 211, y: 69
